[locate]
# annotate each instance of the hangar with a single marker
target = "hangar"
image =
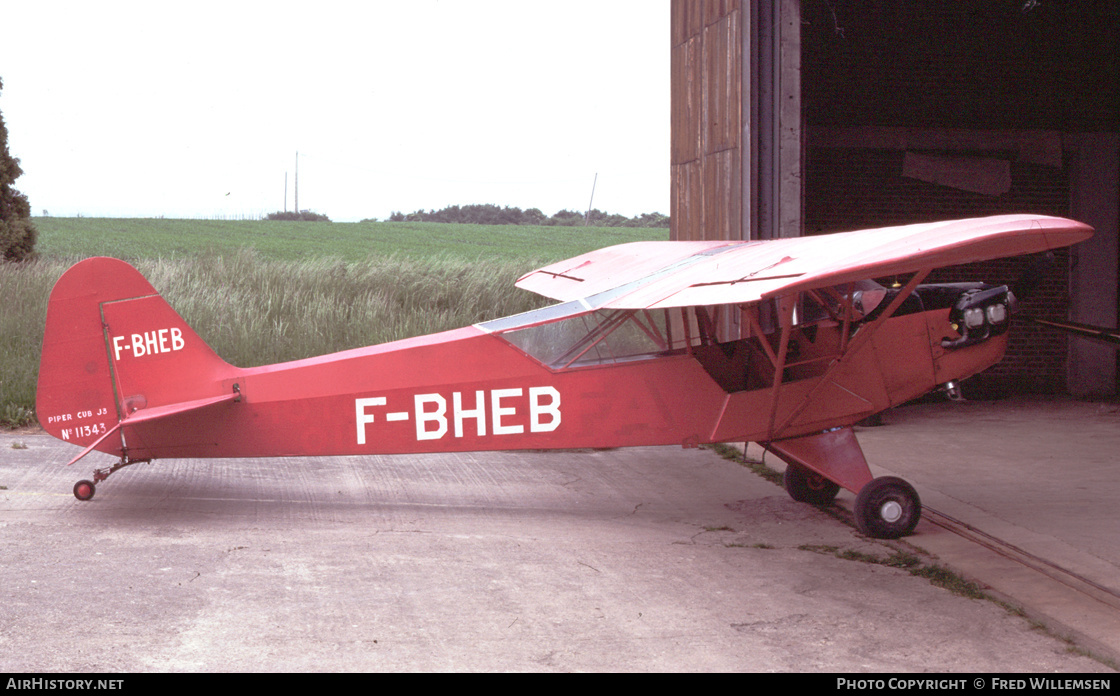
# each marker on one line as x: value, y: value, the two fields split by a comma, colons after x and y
x: 801, y: 117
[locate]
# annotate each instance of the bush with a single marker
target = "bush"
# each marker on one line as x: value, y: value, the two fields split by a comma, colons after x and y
x: 304, y: 215
x: 17, y: 239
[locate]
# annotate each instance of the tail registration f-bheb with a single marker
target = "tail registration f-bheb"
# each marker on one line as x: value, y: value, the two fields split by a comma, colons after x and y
x: 637, y: 352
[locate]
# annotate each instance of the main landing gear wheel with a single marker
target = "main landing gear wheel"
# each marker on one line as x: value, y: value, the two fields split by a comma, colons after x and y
x: 807, y: 486
x: 84, y: 490
x: 887, y: 508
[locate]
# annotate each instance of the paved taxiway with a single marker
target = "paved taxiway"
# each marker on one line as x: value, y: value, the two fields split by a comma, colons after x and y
x: 642, y: 559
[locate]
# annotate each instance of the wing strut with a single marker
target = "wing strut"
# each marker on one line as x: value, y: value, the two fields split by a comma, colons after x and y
x: 857, y: 342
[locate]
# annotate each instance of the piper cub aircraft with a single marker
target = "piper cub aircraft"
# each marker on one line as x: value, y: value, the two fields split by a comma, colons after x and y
x: 787, y: 343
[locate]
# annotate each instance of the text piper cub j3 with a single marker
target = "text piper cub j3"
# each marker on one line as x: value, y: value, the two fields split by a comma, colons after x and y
x: 787, y: 343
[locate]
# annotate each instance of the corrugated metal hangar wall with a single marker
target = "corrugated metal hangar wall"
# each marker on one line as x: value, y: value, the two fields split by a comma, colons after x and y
x: 795, y: 117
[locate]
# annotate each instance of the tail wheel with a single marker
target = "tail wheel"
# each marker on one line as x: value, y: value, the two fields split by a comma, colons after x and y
x: 887, y: 508
x: 807, y: 486
x: 84, y: 490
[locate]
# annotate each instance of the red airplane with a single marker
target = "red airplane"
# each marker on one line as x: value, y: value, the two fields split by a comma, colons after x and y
x: 787, y: 343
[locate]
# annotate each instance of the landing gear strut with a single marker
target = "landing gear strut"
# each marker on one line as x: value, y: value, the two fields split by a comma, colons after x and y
x: 84, y: 489
x: 820, y: 465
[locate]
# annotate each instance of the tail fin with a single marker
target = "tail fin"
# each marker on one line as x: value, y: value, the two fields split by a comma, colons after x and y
x: 113, y: 346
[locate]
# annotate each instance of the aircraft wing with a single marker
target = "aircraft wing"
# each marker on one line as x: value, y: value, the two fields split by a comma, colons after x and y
x: 651, y: 275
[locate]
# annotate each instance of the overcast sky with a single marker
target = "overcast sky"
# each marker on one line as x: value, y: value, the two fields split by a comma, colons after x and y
x: 197, y: 109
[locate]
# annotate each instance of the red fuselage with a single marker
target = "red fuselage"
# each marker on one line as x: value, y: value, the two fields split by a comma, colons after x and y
x: 469, y: 390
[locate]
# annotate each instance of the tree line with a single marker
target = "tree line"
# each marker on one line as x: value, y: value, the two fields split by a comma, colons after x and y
x: 494, y: 215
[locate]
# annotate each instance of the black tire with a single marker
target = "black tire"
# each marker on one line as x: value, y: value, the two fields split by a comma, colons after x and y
x: 887, y: 508
x: 807, y: 486
x: 84, y: 490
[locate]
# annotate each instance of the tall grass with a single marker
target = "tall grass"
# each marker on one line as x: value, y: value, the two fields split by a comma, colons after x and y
x: 256, y: 311
x: 23, y: 310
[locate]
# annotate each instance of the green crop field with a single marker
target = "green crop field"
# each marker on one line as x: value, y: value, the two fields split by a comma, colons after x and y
x: 261, y: 292
x: 292, y: 241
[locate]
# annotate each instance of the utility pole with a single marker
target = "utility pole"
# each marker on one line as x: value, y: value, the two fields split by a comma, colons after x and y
x: 587, y: 215
x: 297, y: 182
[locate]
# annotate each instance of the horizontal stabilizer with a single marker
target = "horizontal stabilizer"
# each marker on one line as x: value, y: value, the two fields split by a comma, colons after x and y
x: 159, y: 413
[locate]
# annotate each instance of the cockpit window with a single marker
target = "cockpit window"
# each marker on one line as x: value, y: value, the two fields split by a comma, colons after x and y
x: 572, y: 334
x: 593, y: 337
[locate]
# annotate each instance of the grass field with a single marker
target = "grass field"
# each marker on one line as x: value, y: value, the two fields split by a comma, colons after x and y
x: 263, y: 292
x: 349, y: 241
